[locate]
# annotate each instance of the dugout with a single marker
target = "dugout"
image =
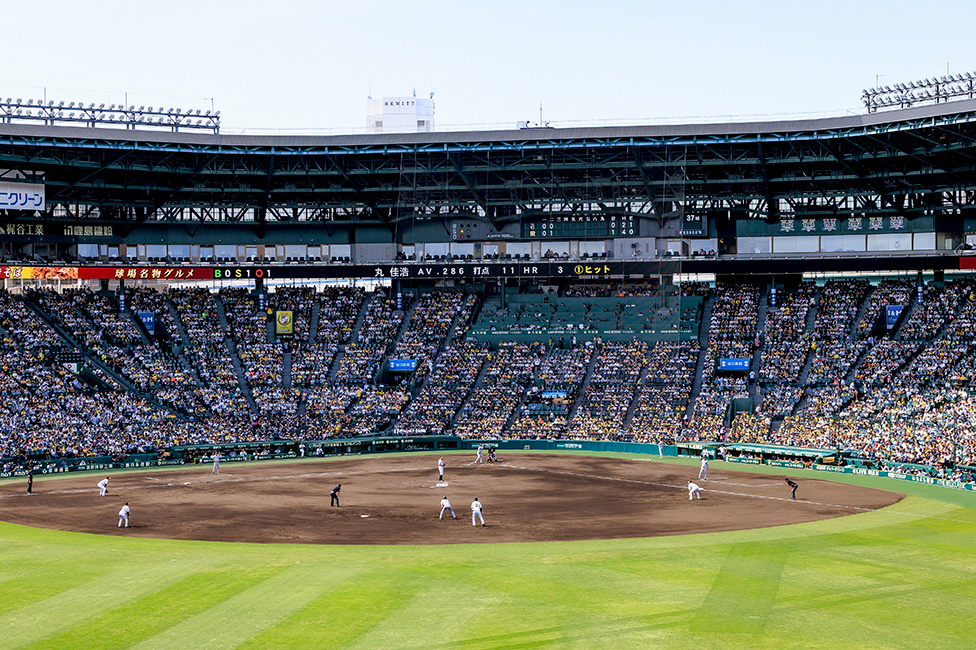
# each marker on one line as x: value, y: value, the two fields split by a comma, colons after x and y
x: 758, y: 454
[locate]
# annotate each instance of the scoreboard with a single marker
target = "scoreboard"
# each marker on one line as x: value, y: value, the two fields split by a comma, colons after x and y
x: 580, y: 226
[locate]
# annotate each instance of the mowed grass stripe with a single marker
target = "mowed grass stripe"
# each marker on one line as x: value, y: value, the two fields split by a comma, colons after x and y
x: 338, y: 616
x: 247, y: 614
x: 156, y: 612
x: 84, y: 602
x: 743, y: 591
x: 439, y: 615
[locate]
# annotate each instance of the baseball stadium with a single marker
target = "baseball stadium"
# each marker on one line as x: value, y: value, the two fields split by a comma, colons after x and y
x: 711, y: 382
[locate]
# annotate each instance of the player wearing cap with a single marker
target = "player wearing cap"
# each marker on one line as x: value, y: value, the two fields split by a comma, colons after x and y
x: 693, y: 489
x: 124, y: 515
x: 793, y: 486
x: 446, y: 505
x: 103, y: 487
x: 476, y: 509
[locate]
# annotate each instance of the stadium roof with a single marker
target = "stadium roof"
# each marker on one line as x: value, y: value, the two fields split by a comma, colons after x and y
x: 905, y: 161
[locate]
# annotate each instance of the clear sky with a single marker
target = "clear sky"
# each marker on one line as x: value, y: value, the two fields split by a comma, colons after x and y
x: 281, y: 65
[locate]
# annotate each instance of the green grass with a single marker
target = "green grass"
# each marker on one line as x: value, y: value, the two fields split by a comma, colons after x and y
x: 902, y: 577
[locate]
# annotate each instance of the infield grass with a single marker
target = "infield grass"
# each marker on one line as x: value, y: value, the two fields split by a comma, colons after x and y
x: 901, y: 577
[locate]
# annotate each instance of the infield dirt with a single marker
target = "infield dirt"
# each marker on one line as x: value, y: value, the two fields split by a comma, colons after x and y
x: 526, y: 497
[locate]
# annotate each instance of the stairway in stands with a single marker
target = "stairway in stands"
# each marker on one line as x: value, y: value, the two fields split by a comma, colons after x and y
x: 517, y: 411
x: 703, y: 329
x: 755, y: 365
x: 801, y: 379
x: 94, y: 360
x: 234, y: 357
x: 587, y: 378
x: 184, y: 342
x: 353, y: 337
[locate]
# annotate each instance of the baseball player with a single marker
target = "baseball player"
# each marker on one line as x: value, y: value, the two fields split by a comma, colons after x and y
x: 704, y: 454
x: 446, y: 505
x: 440, y: 469
x: 793, y: 487
x: 476, y: 509
x: 335, y: 496
x: 693, y: 489
x: 481, y: 454
x: 124, y: 515
x: 703, y: 472
x: 216, y: 465
x: 103, y: 487
x: 30, y: 480
x: 660, y: 448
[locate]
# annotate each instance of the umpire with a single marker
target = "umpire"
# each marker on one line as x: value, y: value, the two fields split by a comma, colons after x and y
x: 335, y: 495
x: 793, y: 486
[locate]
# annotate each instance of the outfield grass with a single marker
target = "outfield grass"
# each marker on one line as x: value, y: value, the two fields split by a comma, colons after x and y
x: 902, y: 577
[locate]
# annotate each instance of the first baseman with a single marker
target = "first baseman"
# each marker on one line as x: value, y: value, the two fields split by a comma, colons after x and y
x: 124, y: 515
x: 446, y: 505
x: 476, y: 508
x: 693, y: 489
x: 103, y: 487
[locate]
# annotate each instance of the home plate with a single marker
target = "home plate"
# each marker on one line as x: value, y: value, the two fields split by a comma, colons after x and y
x: 364, y: 516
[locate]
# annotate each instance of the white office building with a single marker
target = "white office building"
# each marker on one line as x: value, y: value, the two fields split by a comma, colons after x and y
x: 400, y: 114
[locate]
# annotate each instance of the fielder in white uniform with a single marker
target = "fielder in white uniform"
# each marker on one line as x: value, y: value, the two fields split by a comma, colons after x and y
x: 703, y: 472
x: 476, y: 508
x: 440, y: 469
x: 216, y: 466
x: 124, y: 515
x: 446, y: 505
x: 103, y: 487
x: 481, y: 454
x: 693, y: 489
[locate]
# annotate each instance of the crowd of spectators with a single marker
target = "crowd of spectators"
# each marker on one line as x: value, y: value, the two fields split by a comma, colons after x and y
x: 552, y: 392
x: 381, y: 324
x: 895, y: 397
x: 610, y: 393
x: 508, y: 372
x: 663, y: 394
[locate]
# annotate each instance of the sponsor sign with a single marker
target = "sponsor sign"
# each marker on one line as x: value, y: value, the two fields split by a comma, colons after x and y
x: 733, y: 364
x: 149, y: 320
x: 284, y: 323
x: 892, y: 312
x: 22, y: 196
x: 403, y: 365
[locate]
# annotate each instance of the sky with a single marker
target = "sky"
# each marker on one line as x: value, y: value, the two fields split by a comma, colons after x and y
x: 281, y: 66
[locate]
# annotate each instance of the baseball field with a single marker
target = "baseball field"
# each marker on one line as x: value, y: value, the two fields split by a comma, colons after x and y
x: 861, y: 567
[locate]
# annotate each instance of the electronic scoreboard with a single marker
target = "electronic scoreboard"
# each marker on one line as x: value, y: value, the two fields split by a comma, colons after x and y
x: 580, y: 226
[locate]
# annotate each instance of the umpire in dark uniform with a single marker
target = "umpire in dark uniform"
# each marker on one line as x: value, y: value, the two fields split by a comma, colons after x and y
x: 335, y: 495
x: 793, y: 486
